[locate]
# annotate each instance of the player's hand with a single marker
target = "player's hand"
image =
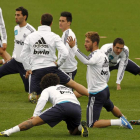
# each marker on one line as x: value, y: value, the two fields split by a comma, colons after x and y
x: 4, y: 46
x: 7, y: 61
x: 70, y: 41
x: 118, y: 87
x: 28, y: 73
x: 56, y: 63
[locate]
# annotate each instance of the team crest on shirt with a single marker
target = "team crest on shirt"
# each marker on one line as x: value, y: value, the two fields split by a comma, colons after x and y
x: 24, y: 35
x: 16, y: 32
x: 110, y: 57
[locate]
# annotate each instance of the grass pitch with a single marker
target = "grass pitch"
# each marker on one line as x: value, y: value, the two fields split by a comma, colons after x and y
x: 109, y: 18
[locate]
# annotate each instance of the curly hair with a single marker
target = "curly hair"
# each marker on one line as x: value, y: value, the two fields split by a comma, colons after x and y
x: 48, y: 80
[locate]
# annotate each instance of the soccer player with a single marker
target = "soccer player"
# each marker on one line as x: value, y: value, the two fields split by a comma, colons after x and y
x: 97, y: 78
x: 70, y: 65
x: 22, y: 30
x: 38, y: 57
x: 3, y: 41
x: 118, y: 54
x: 65, y: 107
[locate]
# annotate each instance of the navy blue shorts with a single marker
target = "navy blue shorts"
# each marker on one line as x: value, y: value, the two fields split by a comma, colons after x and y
x: 131, y: 67
x: 95, y: 104
x: 13, y: 67
x: 37, y: 75
x: 72, y: 74
x: 68, y: 112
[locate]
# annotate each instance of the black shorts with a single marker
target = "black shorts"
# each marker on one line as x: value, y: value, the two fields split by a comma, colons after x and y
x: 13, y: 67
x: 95, y: 104
x: 36, y: 76
x: 131, y: 67
x: 68, y: 112
x: 72, y: 74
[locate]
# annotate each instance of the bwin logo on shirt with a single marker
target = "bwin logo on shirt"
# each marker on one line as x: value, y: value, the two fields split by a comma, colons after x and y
x: 41, y: 52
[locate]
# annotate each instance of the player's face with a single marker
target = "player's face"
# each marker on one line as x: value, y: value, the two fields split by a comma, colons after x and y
x: 64, y: 24
x: 88, y: 44
x: 118, y: 48
x: 19, y: 17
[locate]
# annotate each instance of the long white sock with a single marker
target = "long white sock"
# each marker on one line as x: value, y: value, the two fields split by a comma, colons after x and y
x: 80, y: 127
x: 13, y: 130
x: 116, y: 122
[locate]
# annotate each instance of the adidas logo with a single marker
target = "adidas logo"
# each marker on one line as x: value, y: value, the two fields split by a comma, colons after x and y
x: 41, y: 44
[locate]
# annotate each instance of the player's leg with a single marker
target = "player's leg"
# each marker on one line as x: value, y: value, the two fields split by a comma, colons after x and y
x: 132, y: 67
x: 113, y: 67
x: 8, y: 68
x: 78, y: 87
x: 66, y: 80
x: 23, y: 126
x: 72, y: 74
x: 93, y: 110
x: 72, y: 117
x: 22, y: 73
x: 122, y: 121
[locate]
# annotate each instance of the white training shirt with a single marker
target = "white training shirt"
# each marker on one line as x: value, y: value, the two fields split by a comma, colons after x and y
x: 56, y: 95
x: 20, y: 34
x: 40, y: 48
x: 70, y: 64
x: 97, y: 69
x: 114, y: 59
x: 3, y: 33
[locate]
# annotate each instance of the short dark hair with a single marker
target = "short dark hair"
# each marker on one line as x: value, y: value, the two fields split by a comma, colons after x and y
x: 23, y: 11
x: 68, y: 16
x: 119, y: 41
x: 93, y: 36
x: 48, y: 80
x: 46, y: 19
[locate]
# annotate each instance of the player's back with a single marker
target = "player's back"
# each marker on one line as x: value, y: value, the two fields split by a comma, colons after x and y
x: 59, y: 94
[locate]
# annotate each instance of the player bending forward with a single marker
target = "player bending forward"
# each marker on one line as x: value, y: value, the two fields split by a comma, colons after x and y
x: 65, y: 107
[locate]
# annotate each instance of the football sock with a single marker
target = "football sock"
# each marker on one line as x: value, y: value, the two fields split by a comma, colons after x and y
x: 13, y: 130
x: 80, y: 127
x: 116, y: 122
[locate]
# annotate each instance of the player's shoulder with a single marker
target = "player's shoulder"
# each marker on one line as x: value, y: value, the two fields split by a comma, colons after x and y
x: 108, y: 45
x: 126, y: 48
x: 70, y: 33
x: 30, y: 28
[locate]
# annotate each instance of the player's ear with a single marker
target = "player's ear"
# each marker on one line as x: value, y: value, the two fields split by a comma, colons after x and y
x: 40, y: 22
x: 51, y: 24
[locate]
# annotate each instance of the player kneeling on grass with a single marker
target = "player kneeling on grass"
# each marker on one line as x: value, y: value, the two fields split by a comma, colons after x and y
x: 66, y: 107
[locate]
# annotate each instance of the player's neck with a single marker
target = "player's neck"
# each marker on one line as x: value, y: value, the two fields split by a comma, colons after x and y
x: 65, y: 29
x: 95, y: 48
x: 23, y: 24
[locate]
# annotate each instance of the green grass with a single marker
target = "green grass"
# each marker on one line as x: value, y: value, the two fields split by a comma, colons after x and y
x: 111, y: 18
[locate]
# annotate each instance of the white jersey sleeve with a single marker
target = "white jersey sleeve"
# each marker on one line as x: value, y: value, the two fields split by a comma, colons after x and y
x: 122, y: 65
x: 61, y: 49
x: 25, y: 54
x: 56, y: 95
x: 2, y: 29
